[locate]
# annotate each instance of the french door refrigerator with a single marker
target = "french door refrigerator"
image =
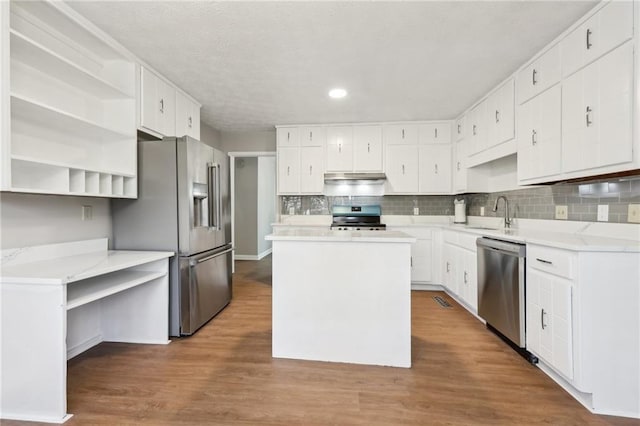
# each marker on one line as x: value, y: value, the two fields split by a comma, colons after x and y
x: 183, y: 206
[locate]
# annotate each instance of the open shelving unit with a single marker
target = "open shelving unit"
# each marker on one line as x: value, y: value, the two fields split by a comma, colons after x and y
x: 72, y: 105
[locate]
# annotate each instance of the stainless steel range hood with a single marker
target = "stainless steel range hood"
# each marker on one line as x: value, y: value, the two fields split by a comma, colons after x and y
x: 355, y: 178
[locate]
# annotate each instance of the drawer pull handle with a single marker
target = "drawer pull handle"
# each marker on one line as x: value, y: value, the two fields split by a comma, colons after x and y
x: 542, y: 319
x: 448, y: 267
x: 465, y: 277
x: 459, y: 130
x: 534, y: 80
x: 589, y: 44
x: 548, y: 262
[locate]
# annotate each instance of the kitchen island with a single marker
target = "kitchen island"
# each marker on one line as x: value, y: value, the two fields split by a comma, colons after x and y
x: 342, y: 296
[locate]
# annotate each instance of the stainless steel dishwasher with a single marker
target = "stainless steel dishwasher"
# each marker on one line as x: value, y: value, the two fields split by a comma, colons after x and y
x: 501, y: 290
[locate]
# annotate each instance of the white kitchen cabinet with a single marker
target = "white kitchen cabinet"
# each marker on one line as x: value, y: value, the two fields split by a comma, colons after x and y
x: 540, y: 136
x: 312, y: 136
x: 549, y: 320
x: 608, y: 28
x: 539, y: 75
x: 460, y: 166
x: 597, y: 105
x: 287, y: 136
x: 288, y: 170
x: 157, y: 104
x: 401, y: 168
x: 435, y: 169
x: 367, y: 155
x: 421, y: 254
x: 68, y: 105
x: 400, y: 134
x: 187, y: 116
x: 500, y: 115
x: 460, y: 129
x: 311, y: 170
x: 434, y: 133
x: 478, y: 128
x: 459, y: 267
x: 468, y: 277
x: 339, y: 149
x: 449, y: 261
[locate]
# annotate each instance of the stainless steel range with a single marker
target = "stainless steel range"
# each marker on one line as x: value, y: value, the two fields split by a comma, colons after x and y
x: 357, y: 218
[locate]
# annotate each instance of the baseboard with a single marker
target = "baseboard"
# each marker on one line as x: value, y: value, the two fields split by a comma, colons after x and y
x: 252, y: 256
x: 426, y: 287
x: 83, y: 346
x: 30, y: 418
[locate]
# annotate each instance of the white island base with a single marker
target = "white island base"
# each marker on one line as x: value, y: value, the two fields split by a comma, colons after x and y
x: 342, y: 296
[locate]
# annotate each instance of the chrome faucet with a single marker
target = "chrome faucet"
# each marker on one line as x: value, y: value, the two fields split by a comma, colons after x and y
x: 507, y: 219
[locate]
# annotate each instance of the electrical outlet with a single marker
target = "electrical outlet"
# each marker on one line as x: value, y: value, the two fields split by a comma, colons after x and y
x: 416, y: 211
x: 562, y: 212
x: 633, y: 214
x: 87, y: 213
x: 603, y: 213
x: 482, y: 211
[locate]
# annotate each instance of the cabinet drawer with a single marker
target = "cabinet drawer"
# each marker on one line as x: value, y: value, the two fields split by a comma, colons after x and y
x: 551, y: 260
x: 468, y: 241
x: 450, y: 237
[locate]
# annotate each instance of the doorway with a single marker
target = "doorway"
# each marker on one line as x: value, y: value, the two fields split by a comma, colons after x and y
x: 253, y: 203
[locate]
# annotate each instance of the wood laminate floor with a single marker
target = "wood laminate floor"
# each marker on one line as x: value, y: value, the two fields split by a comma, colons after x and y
x: 461, y: 375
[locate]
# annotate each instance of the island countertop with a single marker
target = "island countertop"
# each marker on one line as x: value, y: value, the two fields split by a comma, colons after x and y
x: 316, y: 234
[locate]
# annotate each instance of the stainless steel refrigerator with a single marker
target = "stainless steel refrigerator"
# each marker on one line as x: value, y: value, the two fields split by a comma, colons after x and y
x: 183, y: 206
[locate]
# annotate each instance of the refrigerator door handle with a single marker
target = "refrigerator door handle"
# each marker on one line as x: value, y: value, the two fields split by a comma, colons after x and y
x: 218, y: 199
x: 211, y: 202
x: 194, y: 262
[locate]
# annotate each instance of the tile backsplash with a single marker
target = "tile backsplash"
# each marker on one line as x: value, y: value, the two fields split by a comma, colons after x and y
x: 536, y: 202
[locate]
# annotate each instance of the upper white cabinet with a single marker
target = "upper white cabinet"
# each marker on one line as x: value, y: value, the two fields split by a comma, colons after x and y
x: 400, y: 134
x: 157, y: 104
x: 287, y: 136
x: 187, y: 116
x: 500, y: 115
x: 460, y: 128
x: 339, y: 149
x: 71, y: 105
x: 602, y: 32
x: 431, y: 133
x: 477, y: 128
x: 460, y: 166
x: 288, y: 170
x: 401, y: 167
x: 539, y: 136
x: 311, y: 135
x: 435, y: 169
x: 367, y: 154
x: 597, y: 105
x: 311, y: 170
x: 539, y: 75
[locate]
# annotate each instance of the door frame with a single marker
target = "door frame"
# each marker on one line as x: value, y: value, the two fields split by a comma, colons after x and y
x: 232, y: 156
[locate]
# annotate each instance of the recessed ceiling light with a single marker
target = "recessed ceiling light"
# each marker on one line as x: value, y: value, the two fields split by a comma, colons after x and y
x: 337, y: 93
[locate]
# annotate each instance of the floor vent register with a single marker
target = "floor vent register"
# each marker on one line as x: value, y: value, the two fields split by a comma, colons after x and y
x: 442, y: 302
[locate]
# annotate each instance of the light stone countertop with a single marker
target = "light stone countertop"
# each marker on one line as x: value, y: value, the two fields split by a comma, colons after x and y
x: 326, y: 235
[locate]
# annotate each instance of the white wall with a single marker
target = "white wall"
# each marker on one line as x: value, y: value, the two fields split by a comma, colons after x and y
x: 210, y: 136
x: 246, y: 207
x: 33, y: 219
x: 259, y: 141
x: 266, y: 200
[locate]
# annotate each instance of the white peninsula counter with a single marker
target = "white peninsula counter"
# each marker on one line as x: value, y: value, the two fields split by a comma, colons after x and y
x: 59, y: 300
x: 342, y: 296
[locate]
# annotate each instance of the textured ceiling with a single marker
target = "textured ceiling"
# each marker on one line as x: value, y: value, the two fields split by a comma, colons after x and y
x: 256, y: 64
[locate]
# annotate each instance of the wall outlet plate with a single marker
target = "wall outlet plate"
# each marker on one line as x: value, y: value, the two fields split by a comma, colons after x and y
x: 416, y: 211
x: 87, y: 212
x: 603, y: 213
x: 562, y: 212
x: 633, y: 215
x: 482, y: 211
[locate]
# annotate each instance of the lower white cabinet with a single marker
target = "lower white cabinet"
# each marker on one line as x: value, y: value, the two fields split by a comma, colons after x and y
x: 459, y: 267
x: 549, y: 320
x: 422, y: 254
x: 288, y: 170
x: 311, y: 170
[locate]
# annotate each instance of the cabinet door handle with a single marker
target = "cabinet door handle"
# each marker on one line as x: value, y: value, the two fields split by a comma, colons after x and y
x: 587, y: 116
x: 310, y: 170
x: 340, y: 148
x: 534, y: 80
x: 458, y: 166
x: 589, y: 44
x: 436, y: 168
x: 288, y: 170
x: 436, y: 132
x: 161, y: 106
x: 190, y: 122
x: 534, y: 137
x: 542, y: 319
x: 411, y: 261
x: 548, y: 262
x: 474, y: 130
x: 368, y: 147
x: 310, y: 136
x: 459, y: 130
x: 497, y: 116
x: 403, y: 169
x: 465, y: 277
x: 402, y: 133
x: 448, y: 267
x: 288, y: 136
